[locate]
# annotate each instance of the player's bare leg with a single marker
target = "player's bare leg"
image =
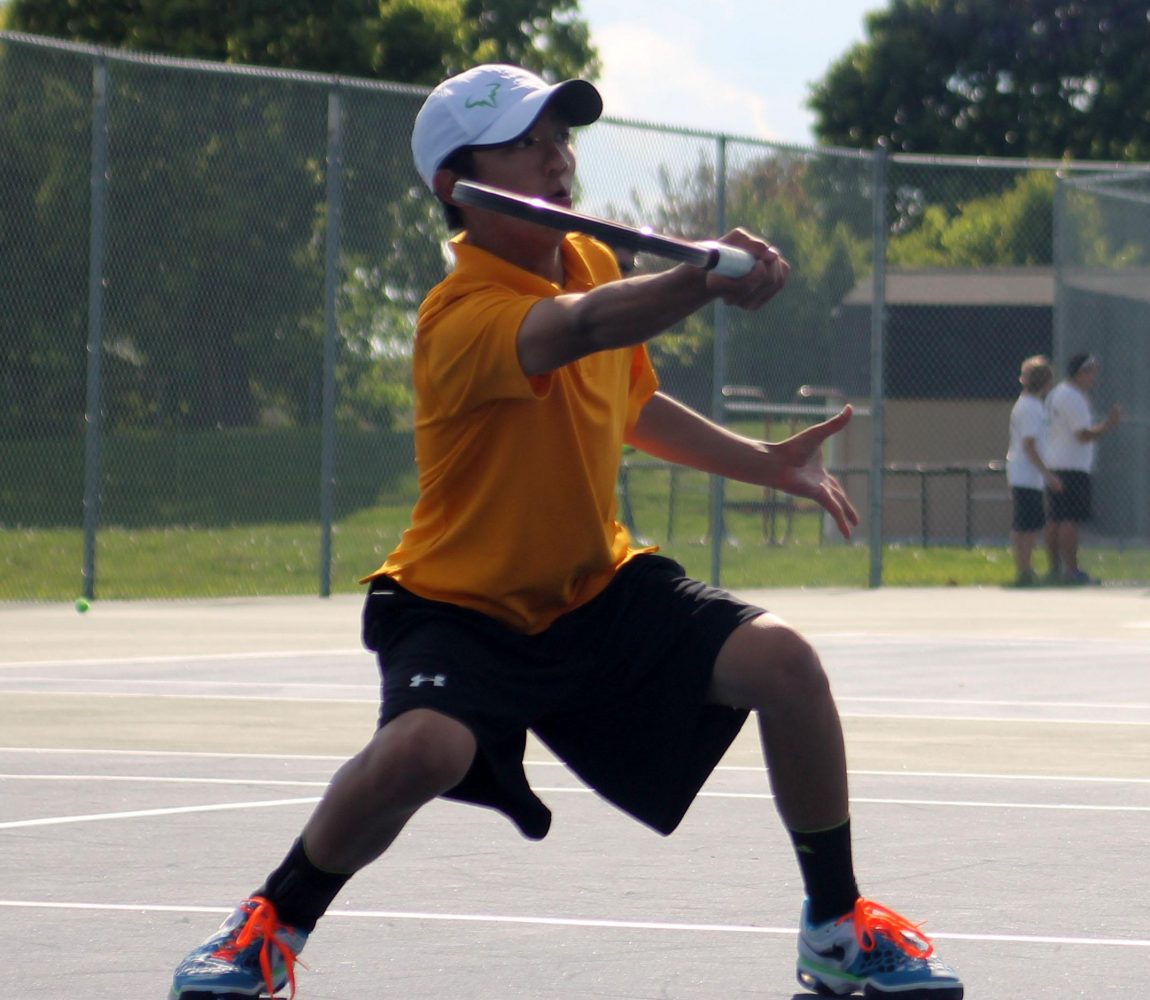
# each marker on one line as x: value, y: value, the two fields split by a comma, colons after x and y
x: 407, y: 763
x: 767, y: 666
x: 847, y: 944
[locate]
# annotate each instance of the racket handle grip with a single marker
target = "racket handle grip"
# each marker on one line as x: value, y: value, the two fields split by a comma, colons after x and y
x: 728, y: 261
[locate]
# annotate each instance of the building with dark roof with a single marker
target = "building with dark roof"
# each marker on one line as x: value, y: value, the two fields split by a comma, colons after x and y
x: 950, y: 333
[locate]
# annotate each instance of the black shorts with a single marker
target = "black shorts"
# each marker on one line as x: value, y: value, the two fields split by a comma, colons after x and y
x: 616, y: 689
x: 1074, y: 502
x: 1029, y: 513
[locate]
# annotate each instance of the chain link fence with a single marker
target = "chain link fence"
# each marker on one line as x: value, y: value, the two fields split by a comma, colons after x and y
x: 1102, y: 260
x: 211, y: 277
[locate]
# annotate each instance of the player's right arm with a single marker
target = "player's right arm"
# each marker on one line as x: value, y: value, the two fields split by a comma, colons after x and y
x: 1093, y: 433
x: 557, y: 331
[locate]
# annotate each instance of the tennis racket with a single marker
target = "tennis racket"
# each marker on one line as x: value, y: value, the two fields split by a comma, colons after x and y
x: 727, y: 261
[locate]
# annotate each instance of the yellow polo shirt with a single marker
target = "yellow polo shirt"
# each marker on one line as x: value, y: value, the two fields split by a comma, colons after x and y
x: 516, y: 512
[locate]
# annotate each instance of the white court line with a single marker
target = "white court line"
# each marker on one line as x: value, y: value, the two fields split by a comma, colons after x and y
x: 966, y: 775
x: 916, y: 639
x: 755, y: 768
x: 1037, y: 647
x: 897, y: 700
x: 196, y: 754
x: 1004, y: 719
x: 373, y: 691
x: 948, y: 803
x: 146, y: 779
x: 1012, y: 719
x: 123, y: 661
x: 202, y: 683
x: 557, y: 790
x: 859, y: 638
x: 166, y: 696
x: 142, y: 813
x: 571, y: 922
x: 968, y: 804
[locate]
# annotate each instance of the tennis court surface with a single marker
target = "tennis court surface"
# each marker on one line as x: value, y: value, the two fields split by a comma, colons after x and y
x: 156, y: 759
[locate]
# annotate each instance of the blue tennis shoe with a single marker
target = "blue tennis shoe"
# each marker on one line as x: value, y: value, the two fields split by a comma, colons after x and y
x: 875, y: 952
x: 252, y: 955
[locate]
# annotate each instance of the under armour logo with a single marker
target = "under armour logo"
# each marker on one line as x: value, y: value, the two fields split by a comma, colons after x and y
x: 437, y: 680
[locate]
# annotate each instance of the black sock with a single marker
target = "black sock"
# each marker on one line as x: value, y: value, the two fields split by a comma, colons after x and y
x: 301, y: 892
x: 827, y: 868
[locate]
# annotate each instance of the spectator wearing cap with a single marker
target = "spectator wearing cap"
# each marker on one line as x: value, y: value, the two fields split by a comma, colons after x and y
x: 1026, y: 472
x: 1070, y: 446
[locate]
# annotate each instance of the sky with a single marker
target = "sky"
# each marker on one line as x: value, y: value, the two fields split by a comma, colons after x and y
x: 740, y: 67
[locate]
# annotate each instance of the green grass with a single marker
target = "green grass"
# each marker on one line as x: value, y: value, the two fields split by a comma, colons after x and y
x: 212, y: 478
x: 757, y: 554
x: 197, y: 562
x: 284, y: 558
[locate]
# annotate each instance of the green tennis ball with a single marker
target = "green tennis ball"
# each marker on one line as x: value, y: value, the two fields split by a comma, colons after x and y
x: 82, y: 604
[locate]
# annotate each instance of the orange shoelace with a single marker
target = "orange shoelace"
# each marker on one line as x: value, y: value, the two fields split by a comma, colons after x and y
x: 263, y: 922
x: 872, y: 919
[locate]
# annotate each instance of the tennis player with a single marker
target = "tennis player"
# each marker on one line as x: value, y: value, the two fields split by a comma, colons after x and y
x: 516, y: 601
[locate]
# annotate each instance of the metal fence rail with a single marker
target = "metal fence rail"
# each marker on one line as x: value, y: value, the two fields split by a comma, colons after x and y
x: 211, y: 277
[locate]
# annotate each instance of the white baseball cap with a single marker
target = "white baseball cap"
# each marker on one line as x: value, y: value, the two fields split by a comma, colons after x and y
x: 491, y: 105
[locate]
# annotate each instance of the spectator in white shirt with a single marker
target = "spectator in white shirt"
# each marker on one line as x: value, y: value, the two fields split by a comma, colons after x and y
x: 1026, y: 472
x: 1069, y: 451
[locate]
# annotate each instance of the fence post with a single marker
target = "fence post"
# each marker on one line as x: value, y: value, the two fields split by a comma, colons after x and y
x: 877, y: 362
x: 1061, y: 260
x: 97, y: 238
x: 719, y: 373
x: 330, y: 331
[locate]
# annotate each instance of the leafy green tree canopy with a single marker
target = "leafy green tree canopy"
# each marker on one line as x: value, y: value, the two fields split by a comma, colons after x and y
x: 1012, y: 228
x: 799, y: 202
x: 405, y: 41
x: 217, y: 196
x: 1037, y: 78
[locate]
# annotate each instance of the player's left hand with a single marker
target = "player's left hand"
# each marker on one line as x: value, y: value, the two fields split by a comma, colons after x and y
x: 799, y: 471
x: 762, y: 283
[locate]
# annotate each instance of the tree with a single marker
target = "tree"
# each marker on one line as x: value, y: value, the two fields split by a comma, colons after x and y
x: 43, y: 243
x: 1014, y: 228
x: 1034, y: 78
x: 403, y: 41
x: 216, y: 201
x: 791, y: 343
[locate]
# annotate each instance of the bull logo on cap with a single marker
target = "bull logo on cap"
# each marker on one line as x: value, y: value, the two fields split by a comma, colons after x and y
x: 487, y: 102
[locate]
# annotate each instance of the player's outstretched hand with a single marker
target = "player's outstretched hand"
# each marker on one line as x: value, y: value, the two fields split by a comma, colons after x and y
x: 762, y: 283
x: 799, y: 470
